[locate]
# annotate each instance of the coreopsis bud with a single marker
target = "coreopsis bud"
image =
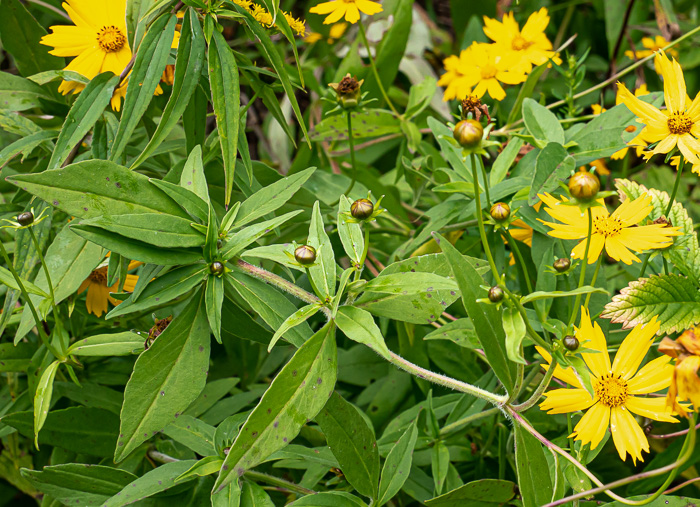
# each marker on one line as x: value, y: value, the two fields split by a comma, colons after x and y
x: 217, y: 268
x: 362, y: 209
x: 348, y: 91
x: 305, y: 255
x: 468, y: 133
x: 570, y: 342
x: 584, y: 185
x: 25, y: 219
x: 500, y: 211
x: 562, y: 265
x: 495, y: 294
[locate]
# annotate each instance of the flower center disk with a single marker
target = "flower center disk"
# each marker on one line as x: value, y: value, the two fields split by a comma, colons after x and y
x: 111, y: 39
x: 611, y: 390
x: 488, y: 72
x: 607, y: 226
x: 519, y: 44
x: 679, y: 123
x: 99, y: 276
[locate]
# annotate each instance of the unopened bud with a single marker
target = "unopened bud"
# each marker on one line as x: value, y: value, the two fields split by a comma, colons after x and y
x: 468, y: 133
x: 217, y: 268
x: 584, y: 185
x: 495, y: 294
x: 570, y: 342
x: 362, y: 209
x: 305, y: 255
x: 562, y: 265
x: 500, y: 211
x: 25, y: 219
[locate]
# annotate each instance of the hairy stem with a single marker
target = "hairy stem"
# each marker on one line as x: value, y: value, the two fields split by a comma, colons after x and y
x: 537, y: 394
x: 584, y: 263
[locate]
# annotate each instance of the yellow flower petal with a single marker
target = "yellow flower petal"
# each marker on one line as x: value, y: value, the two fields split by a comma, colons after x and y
x: 634, y: 347
x: 562, y: 401
x: 592, y: 426
x: 647, y: 112
x: 618, y: 251
x: 653, y: 376
x: 651, y: 408
x: 592, y: 337
x: 565, y: 375
x: 627, y: 435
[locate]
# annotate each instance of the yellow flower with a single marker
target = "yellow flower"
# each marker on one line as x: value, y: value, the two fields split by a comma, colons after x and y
x: 336, y: 32
x: 262, y: 16
x: 685, y: 384
x: 531, y: 44
x: 349, y: 8
x: 677, y: 125
x: 617, y: 233
x: 616, y: 388
x: 652, y: 46
x: 99, y: 292
x: 481, y: 66
x: 297, y: 25
x: 600, y: 167
x: 98, y: 39
x: 676, y: 160
x: 638, y: 142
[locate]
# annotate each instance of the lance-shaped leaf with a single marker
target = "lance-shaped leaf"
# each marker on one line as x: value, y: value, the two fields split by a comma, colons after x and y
x: 407, y: 282
x: 541, y: 122
x: 482, y: 493
x: 359, y: 326
x: 192, y: 177
x: 350, y: 232
x: 353, y: 444
x: 42, y: 398
x: 252, y: 233
x: 166, y: 379
x: 114, y: 344
x: 296, y: 395
x: 97, y: 187
x: 149, y: 484
x: 226, y: 98
x: 586, y: 289
x: 214, y: 298
x: 189, y: 201
x: 7, y: 278
x: 323, y: 271
x: 188, y: 67
x: 397, y: 466
x: 485, y: 318
x: 193, y: 433
x: 514, y: 327
x: 158, y: 229
x: 86, y: 110
x: 533, y: 472
x: 301, y: 315
x: 148, y: 68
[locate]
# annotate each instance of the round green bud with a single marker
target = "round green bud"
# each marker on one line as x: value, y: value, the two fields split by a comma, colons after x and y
x: 495, y: 294
x: 362, y: 209
x: 468, y: 133
x: 25, y: 219
x: 570, y: 342
x: 305, y: 255
x: 562, y: 265
x: 584, y: 185
x: 500, y: 211
x: 217, y: 268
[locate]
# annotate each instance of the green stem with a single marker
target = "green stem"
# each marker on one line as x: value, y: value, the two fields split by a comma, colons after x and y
x: 480, y: 220
x: 465, y: 421
x: 593, y: 280
x: 537, y: 394
x: 351, y: 140
x: 677, y: 184
x: 528, y: 327
x: 519, y: 257
x: 28, y: 302
x: 48, y: 276
x: 363, y: 35
x: 486, y: 182
x: 584, y: 261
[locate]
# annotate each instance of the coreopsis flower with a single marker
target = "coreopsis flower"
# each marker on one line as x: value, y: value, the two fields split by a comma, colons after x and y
x: 618, y: 389
x: 336, y: 32
x: 651, y: 46
x: 350, y: 9
x: 531, y: 44
x: 98, y: 292
x: 677, y: 125
x: 675, y: 161
x: 685, y: 384
x: 617, y: 233
x: 482, y: 66
x: 98, y: 41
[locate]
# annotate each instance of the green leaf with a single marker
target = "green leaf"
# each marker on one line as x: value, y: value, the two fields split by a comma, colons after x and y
x: 440, y: 463
x: 226, y: 98
x: 151, y: 58
x: 662, y: 501
x: 359, y: 326
x: 419, y: 96
x: 229, y: 496
x: 552, y: 165
x: 205, y: 466
x: 353, y: 444
x: 83, y: 430
x: 505, y: 160
x: 86, y: 110
x: 673, y: 299
x: 15, y: 358
x: 514, y: 327
x: 301, y: 315
x: 477, y: 493
x: 272, y: 197
x: 192, y: 433
x: 329, y: 499
x: 685, y: 253
x: 20, y: 94
x: 90, y: 394
x: 79, y: 191
x: 460, y: 331
x: 533, y: 471
x: 26, y: 145
x: 526, y: 91
x: 20, y: 34
x: 114, y: 344
x: 188, y: 67
x: 7, y: 278
x: 586, y: 289
x: 420, y: 308
x: 253, y: 495
x: 407, y: 282
x: 193, y: 178
x: 189, y: 201
x: 271, y: 54
x: 214, y: 298
x: 42, y: 398
x: 350, y: 232
x: 135, y: 249
x: 163, y: 289
x: 369, y: 123
x: 323, y: 271
x: 397, y: 466
x: 542, y: 123
x: 77, y: 483
x: 150, y: 483
x: 166, y: 231
x: 166, y: 379
x: 484, y: 317
x: 252, y: 233
x: 296, y: 395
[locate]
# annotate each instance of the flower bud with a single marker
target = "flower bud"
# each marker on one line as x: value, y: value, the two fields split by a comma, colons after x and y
x: 500, y: 211
x: 25, y: 219
x: 468, y: 133
x: 570, y: 342
x: 495, y: 294
x: 362, y: 209
x: 584, y: 185
x: 305, y: 255
x: 562, y: 265
x: 217, y: 268
x: 348, y: 91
